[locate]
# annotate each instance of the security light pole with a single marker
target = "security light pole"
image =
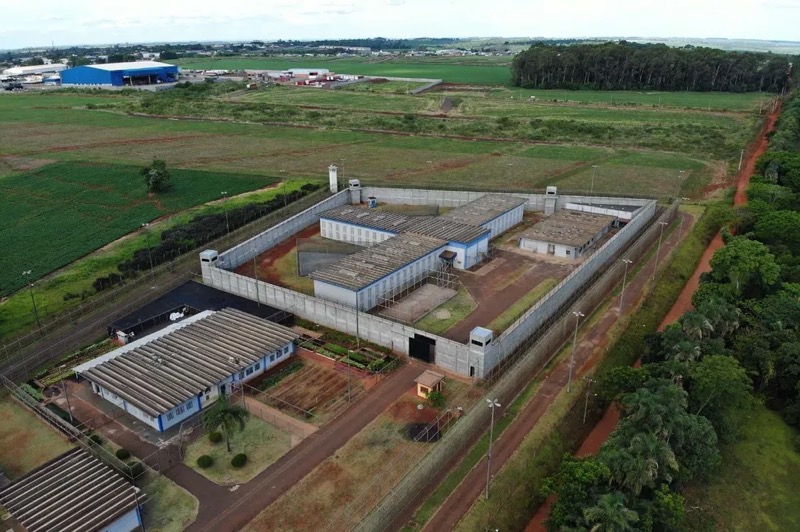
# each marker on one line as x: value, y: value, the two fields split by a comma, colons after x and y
x: 492, y: 404
x: 578, y: 315
x: 624, y: 278
x: 227, y: 225
x: 255, y: 273
x: 658, y: 248
x: 594, y: 170
x: 586, y: 403
x: 26, y: 274
x: 146, y: 226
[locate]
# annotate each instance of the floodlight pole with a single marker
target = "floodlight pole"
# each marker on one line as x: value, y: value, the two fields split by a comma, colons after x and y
x: 578, y: 315
x: 227, y: 225
x: 492, y: 404
x: 26, y: 274
x: 624, y: 278
x: 146, y: 227
x: 586, y: 403
x: 594, y: 170
x: 66, y: 396
x: 658, y: 248
x: 255, y: 273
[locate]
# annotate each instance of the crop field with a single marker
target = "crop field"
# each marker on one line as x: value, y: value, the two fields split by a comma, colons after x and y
x: 62, y: 211
x: 488, y: 71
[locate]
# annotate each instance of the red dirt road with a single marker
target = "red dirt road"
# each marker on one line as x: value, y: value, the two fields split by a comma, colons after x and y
x: 591, y: 445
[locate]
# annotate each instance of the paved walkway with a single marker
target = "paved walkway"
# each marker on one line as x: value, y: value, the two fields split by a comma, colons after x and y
x: 591, y: 349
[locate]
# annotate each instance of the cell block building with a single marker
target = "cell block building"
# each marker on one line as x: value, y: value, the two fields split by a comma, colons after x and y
x: 168, y: 376
x: 567, y: 234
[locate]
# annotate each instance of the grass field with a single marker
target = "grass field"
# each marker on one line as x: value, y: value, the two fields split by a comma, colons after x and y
x: 261, y: 442
x: 168, y: 507
x: 457, y: 70
x: 448, y: 314
x: 25, y: 441
x: 512, y: 313
x: 757, y: 485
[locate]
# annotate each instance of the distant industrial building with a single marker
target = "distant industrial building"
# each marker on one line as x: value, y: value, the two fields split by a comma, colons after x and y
x: 135, y: 73
x: 168, y: 376
x: 34, y: 70
x: 75, y: 492
x: 567, y: 234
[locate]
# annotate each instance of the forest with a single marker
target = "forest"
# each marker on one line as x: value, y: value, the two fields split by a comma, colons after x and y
x: 630, y: 66
x: 700, y: 377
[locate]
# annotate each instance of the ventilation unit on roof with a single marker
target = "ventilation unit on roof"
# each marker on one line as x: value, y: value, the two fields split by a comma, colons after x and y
x: 361, y: 215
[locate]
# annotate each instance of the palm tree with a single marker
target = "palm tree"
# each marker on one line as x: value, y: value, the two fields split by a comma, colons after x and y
x: 225, y: 416
x: 685, y: 351
x: 610, y: 514
x: 639, y: 462
x: 696, y: 326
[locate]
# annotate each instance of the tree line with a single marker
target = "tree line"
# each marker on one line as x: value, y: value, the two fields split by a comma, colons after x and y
x: 700, y: 376
x: 631, y: 66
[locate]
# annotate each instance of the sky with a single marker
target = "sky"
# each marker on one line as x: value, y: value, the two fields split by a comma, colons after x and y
x: 37, y: 23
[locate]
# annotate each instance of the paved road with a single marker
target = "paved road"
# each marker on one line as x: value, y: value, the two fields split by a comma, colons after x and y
x: 590, y: 351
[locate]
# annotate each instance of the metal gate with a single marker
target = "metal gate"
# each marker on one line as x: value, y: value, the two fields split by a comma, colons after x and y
x: 422, y: 348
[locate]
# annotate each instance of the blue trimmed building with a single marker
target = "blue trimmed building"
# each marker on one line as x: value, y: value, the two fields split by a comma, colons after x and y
x: 132, y: 74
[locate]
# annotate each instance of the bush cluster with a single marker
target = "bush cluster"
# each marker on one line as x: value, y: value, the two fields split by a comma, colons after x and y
x: 205, y: 461
x: 239, y: 460
x: 215, y: 437
x: 123, y: 454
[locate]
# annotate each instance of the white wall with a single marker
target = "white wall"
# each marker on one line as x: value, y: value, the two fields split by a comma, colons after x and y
x: 504, y: 222
x: 335, y: 293
x: 179, y: 413
x: 345, y: 232
x: 622, y: 215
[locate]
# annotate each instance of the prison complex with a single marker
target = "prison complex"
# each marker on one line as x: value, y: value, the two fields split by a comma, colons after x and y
x: 168, y: 376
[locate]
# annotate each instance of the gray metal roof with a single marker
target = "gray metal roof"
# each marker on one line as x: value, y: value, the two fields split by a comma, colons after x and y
x: 434, y: 226
x: 484, y: 209
x: 572, y: 228
x: 75, y: 492
x: 168, y: 371
x: 366, y: 267
x: 611, y: 206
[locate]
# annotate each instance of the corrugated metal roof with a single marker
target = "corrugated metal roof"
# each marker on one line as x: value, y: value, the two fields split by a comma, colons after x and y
x: 434, y: 226
x: 365, y: 267
x: 572, y: 228
x: 76, y: 492
x: 484, y: 209
x: 161, y: 374
x: 130, y: 65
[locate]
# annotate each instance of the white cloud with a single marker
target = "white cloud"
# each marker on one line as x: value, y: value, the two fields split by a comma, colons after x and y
x: 38, y: 22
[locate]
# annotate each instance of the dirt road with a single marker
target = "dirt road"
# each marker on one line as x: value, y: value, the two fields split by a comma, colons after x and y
x: 591, y: 350
x: 591, y: 445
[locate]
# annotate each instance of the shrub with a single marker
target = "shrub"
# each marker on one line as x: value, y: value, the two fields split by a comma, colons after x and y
x: 136, y: 469
x: 215, y: 437
x: 123, y: 454
x: 797, y: 444
x: 437, y: 399
x: 97, y: 440
x: 33, y: 392
x: 205, y: 461
x: 239, y: 460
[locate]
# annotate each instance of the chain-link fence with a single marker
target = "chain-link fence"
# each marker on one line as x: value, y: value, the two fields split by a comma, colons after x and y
x: 75, y: 327
x: 390, y: 501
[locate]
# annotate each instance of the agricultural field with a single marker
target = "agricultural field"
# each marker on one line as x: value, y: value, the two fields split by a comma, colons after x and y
x: 477, y: 70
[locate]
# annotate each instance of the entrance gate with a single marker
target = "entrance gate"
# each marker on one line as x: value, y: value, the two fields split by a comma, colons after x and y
x: 422, y: 348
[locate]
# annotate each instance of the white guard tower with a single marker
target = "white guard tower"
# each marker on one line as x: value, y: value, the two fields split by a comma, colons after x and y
x: 333, y: 178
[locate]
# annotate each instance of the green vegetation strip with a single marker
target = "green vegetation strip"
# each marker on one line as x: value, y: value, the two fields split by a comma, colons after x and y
x: 512, y: 313
x: 453, y: 311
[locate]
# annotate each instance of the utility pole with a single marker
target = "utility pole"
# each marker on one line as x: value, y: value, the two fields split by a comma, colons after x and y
x: 658, y: 249
x: 492, y: 404
x: 349, y: 396
x: 624, y: 278
x: 26, y: 274
x: 578, y: 315
x: 146, y: 226
x: 227, y: 225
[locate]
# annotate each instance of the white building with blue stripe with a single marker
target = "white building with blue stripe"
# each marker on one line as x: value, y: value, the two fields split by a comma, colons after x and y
x: 171, y: 375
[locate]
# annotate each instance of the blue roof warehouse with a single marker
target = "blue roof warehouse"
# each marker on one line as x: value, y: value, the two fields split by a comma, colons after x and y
x: 121, y: 74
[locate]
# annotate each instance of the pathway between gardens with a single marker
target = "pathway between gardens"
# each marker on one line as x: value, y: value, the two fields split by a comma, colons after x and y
x: 607, y: 424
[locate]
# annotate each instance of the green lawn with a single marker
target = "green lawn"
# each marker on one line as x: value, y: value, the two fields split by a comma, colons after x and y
x: 26, y: 442
x: 261, y: 442
x: 448, y: 314
x: 520, y: 306
x: 757, y: 485
x: 167, y: 507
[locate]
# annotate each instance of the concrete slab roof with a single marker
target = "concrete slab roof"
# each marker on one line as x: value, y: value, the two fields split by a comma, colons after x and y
x: 161, y: 371
x: 366, y: 267
x: 434, y: 226
x: 571, y: 228
x: 484, y: 209
x: 75, y: 492
x: 429, y: 378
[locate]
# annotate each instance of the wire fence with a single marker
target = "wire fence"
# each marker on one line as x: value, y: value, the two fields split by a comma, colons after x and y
x: 76, y: 326
x: 388, y: 500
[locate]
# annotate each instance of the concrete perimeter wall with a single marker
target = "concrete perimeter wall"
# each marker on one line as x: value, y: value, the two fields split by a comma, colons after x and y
x: 450, y: 355
x: 238, y: 255
x: 456, y: 198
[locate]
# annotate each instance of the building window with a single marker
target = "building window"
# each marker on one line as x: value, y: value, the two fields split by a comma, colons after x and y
x: 258, y: 365
x: 567, y: 252
x: 179, y: 410
x: 170, y: 415
x: 285, y: 349
x: 249, y: 371
x: 190, y: 405
x: 241, y: 375
x: 272, y: 358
